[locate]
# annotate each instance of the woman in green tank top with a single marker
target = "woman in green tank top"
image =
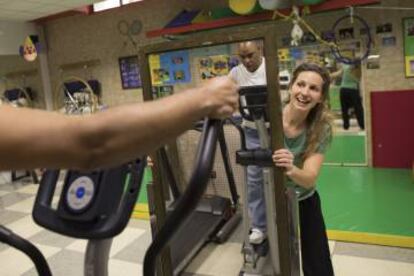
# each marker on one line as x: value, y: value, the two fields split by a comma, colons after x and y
x: 307, y: 128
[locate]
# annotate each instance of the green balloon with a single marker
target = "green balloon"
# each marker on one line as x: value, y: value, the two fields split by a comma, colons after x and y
x: 312, y: 2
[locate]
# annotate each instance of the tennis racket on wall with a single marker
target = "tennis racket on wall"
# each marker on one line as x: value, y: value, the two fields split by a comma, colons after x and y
x: 131, y: 30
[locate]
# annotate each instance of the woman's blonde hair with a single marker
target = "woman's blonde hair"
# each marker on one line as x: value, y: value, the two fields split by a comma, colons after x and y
x: 320, y: 119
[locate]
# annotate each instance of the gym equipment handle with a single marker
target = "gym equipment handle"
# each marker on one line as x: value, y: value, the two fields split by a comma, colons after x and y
x: 191, y: 197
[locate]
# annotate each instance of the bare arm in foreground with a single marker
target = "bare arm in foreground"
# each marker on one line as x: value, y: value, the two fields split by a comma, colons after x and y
x: 33, y: 138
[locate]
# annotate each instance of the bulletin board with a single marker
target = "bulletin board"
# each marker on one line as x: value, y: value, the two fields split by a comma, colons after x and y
x: 170, y: 68
x: 408, y: 33
x: 129, y: 69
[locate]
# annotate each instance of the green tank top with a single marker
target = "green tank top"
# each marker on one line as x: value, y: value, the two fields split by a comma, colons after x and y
x: 348, y: 80
x: 297, y: 145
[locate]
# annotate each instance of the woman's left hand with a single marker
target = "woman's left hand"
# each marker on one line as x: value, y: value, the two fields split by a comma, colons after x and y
x: 283, y: 158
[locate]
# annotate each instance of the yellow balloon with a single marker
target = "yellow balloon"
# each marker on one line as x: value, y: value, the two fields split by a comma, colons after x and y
x: 244, y: 7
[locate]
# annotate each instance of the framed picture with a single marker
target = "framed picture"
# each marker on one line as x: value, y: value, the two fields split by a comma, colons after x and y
x: 384, y: 28
x: 389, y: 41
x: 347, y: 33
x: 129, y: 69
x: 408, y: 35
x: 162, y: 91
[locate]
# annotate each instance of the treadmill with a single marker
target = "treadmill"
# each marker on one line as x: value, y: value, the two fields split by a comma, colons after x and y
x: 214, y: 218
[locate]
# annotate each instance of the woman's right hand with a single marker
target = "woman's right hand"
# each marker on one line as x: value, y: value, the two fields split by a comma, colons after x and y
x: 284, y: 158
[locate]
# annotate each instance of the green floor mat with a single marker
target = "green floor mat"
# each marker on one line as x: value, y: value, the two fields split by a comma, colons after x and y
x: 146, y: 180
x: 346, y: 149
x: 368, y: 200
x: 141, y: 210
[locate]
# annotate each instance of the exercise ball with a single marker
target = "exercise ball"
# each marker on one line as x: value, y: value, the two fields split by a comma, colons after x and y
x: 244, y: 7
x: 275, y: 4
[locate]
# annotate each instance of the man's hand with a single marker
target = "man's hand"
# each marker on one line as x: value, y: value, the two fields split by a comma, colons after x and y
x: 221, y: 97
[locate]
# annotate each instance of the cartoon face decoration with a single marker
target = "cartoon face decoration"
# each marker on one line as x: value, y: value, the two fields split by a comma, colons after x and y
x: 29, y: 49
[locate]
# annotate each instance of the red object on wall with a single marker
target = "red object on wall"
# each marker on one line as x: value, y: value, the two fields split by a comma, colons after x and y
x: 393, y: 128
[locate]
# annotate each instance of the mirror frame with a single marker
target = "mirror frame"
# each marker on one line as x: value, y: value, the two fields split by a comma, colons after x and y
x: 268, y: 34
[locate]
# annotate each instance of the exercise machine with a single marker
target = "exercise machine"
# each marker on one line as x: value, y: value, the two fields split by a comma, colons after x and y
x: 95, y: 206
x: 75, y: 95
x: 214, y: 218
x: 263, y: 259
x: 18, y: 97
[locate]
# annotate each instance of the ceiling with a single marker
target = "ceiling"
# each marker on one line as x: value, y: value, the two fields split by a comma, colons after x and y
x: 26, y: 10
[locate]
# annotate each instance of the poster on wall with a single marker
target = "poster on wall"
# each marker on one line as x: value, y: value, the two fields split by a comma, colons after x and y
x: 213, y: 66
x: 408, y: 33
x: 162, y: 91
x: 158, y: 74
x: 129, y: 69
x: 170, y: 68
x: 178, y: 65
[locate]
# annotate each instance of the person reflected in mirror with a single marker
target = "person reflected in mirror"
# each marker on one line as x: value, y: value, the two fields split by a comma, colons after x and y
x: 307, y: 127
x: 349, y: 94
x: 250, y: 72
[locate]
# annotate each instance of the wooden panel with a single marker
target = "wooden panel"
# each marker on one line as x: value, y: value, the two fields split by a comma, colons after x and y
x: 392, y: 128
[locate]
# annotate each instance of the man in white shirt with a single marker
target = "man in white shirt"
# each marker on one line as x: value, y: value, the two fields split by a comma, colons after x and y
x: 252, y: 71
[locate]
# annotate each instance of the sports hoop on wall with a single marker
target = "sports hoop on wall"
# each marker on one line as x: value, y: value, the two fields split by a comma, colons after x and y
x: 75, y: 96
x: 354, y: 21
x: 17, y: 97
x: 15, y: 91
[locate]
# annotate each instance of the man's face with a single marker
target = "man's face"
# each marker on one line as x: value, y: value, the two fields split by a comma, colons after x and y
x: 250, y: 55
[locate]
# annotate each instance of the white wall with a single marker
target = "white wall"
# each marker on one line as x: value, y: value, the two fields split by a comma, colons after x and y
x: 12, y: 35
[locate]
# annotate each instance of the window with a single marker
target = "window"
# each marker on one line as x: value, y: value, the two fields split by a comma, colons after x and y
x: 110, y: 4
x: 126, y: 2
x: 105, y: 5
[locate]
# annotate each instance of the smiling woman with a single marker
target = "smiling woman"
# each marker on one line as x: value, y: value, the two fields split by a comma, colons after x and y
x: 307, y: 128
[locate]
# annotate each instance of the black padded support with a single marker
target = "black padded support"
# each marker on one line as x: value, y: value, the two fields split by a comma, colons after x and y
x: 106, y: 216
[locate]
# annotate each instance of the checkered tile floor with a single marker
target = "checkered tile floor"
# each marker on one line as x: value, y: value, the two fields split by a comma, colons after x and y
x: 65, y: 255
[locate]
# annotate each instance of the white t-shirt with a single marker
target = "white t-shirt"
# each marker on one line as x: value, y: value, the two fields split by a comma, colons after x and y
x: 243, y: 77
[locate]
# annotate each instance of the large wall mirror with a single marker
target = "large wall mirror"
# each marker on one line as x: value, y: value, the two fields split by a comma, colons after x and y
x: 346, y: 97
x: 169, y: 68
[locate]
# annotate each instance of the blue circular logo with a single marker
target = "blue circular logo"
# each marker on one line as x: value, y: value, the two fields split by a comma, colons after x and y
x: 80, y: 192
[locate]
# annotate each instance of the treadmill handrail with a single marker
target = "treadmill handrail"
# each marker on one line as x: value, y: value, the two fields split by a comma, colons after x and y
x: 192, y: 195
x: 165, y: 162
x: 227, y: 166
x: 241, y: 132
